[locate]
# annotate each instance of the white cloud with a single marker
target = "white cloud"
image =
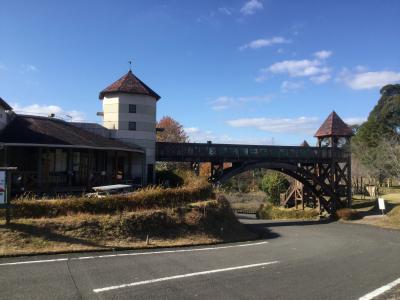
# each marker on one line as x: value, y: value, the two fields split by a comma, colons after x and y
x: 355, y: 120
x: 360, y: 80
x: 222, y: 102
x: 225, y: 102
x: 323, y: 54
x: 297, y: 68
x: 251, y: 7
x: 45, y: 110
x: 316, y: 69
x: 28, y: 68
x: 321, y: 79
x: 191, y: 130
x: 197, y: 135
x: 260, y: 43
x: 306, y: 125
x: 289, y: 86
x: 225, y: 10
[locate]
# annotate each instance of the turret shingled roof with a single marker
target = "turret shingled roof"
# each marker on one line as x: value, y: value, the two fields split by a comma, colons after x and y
x: 334, y: 126
x: 304, y: 144
x: 129, y: 84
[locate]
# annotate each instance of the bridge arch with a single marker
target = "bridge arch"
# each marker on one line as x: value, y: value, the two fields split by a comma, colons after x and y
x: 307, y: 178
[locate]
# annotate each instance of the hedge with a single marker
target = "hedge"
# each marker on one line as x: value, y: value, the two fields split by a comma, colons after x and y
x: 147, y: 198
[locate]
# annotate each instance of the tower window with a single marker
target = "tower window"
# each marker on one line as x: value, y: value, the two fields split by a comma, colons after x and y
x: 132, y: 125
x: 132, y: 108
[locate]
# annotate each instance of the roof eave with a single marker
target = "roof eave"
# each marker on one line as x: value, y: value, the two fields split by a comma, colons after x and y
x: 104, y: 93
x: 72, y: 146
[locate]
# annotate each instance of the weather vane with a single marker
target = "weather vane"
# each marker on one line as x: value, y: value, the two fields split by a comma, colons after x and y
x: 130, y: 65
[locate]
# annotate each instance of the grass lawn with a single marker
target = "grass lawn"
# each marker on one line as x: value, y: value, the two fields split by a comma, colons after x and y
x: 369, y: 209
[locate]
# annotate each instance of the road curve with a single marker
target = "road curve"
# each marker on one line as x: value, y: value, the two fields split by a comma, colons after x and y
x: 294, y: 260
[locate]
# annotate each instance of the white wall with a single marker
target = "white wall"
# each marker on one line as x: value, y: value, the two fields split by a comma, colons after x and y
x: 117, y: 116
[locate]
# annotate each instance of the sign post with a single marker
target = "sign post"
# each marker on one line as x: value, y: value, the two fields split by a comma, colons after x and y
x: 381, y: 203
x: 5, y: 190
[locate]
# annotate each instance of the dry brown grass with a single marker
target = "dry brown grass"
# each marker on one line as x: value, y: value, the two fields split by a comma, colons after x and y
x: 271, y: 212
x: 203, y: 223
x: 147, y: 198
x: 347, y: 214
x: 246, y: 201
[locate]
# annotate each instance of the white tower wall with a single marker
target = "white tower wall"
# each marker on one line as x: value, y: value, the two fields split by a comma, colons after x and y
x: 142, y: 130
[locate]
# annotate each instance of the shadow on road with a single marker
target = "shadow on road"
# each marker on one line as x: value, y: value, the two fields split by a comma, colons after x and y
x: 271, y: 223
x: 263, y: 227
x: 262, y: 231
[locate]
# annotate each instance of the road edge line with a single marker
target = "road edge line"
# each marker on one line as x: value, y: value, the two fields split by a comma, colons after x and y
x: 381, y: 290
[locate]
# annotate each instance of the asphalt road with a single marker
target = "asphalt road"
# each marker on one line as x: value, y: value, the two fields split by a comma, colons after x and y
x: 294, y: 261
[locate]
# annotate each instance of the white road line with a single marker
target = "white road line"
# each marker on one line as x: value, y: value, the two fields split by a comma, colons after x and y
x: 33, y: 262
x: 131, y: 254
x: 171, y: 251
x: 109, y: 288
x: 381, y: 290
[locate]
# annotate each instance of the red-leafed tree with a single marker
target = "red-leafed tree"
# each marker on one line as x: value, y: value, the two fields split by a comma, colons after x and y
x: 170, y: 130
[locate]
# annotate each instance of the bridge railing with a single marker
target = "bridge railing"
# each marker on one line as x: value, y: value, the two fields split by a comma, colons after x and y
x: 199, y: 152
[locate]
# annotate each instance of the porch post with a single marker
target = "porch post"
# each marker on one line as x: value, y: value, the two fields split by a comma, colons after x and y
x: 115, y: 166
x: 89, y: 168
x: 130, y: 165
x: 5, y: 156
x: 69, y: 166
x: 39, y: 167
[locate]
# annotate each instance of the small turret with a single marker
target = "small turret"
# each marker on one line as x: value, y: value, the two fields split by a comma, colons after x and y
x: 333, y: 132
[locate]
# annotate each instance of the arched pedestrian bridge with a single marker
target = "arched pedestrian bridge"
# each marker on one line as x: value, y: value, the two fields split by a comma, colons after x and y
x: 325, y: 171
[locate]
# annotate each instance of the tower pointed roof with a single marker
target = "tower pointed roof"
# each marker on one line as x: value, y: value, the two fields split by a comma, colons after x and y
x: 333, y: 126
x: 129, y: 84
x: 304, y: 144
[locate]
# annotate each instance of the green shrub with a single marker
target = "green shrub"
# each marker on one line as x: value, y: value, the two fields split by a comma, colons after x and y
x: 273, y: 184
x: 147, y: 198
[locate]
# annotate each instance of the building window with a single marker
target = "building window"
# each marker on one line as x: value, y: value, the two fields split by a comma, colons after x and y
x: 132, y: 108
x: 132, y: 126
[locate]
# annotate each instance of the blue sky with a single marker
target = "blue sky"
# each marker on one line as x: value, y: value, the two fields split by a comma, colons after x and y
x: 245, y: 71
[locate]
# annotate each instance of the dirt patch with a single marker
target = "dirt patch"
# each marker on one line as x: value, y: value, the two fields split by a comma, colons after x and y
x: 245, y: 201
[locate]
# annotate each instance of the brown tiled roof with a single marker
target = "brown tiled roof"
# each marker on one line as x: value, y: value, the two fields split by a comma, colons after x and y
x: 25, y: 129
x: 304, y: 144
x: 5, y: 104
x: 334, y: 126
x: 129, y: 84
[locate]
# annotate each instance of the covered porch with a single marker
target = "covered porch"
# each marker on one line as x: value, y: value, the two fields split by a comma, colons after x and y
x: 51, y: 169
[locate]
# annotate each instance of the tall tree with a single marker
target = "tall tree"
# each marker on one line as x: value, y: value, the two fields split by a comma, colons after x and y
x: 170, y: 130
x: 379, y: 135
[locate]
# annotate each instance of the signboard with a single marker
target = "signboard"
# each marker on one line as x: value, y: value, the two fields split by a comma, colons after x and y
x: 381, y: 203
x: 3, y: 185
